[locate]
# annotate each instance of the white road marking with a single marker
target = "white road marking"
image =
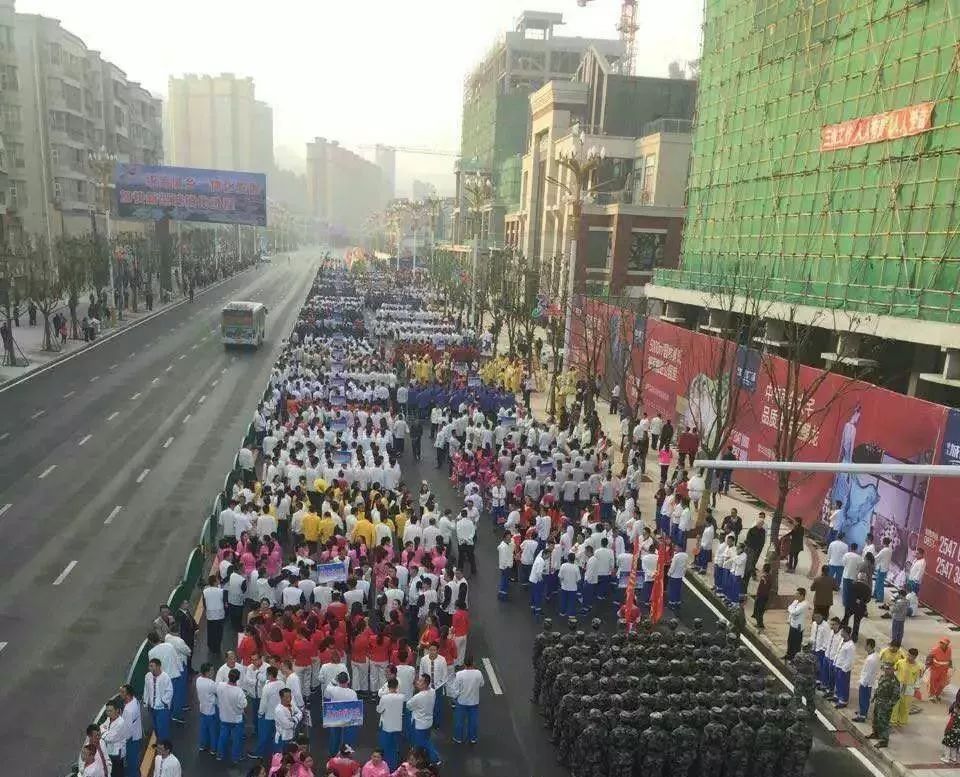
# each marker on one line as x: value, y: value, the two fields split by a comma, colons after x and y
x: 135, y: 396
x: 186, y: 418
x: 134, y: 353
x: 223, y: 371
x: 492, y: 676
x: 4, y: 508
x: 95, y: 377
x: 85, y: 439
x: 113, y: 415
x: 63, y: 575
x: 142, y: 475
x: 36, y: 415
x: 69, y: 394
x: 169, y: 368
x: 867, y: 763
x: 167, y: 443
x: 155, y: 380
x: 173, y: 329
x: 182, y: 356
x: 193, y: 347
x: 114, y: 366
x: 47, y: 471
x: 113, y: 514
x: 214, y: 383
x: 202, y: 399
x: 204, y: 338
x: 4, y: 436
x: 2, y: 646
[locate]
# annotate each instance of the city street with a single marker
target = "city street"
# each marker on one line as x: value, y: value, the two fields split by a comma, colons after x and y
x: 109, y: 462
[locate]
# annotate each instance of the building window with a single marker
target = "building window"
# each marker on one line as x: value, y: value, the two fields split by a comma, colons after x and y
x: 12, y: 117
x: 56, y: 54
x: 599, y: 249
x: 9, y: 80
x: 6, y: 38
x: 646, y: 251
x: 55, y: 156
x: 119, y: 117
x: 57, y: 190
x: 649, y: 179
x: 72, y: 97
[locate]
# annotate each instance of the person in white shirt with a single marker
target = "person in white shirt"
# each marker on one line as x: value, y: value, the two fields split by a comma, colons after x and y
x: 797, y: 619
x: 835, y: 521
x: 421, y: 706
x: 287, y: 716
x: 390, y: 705
x: 505, y: 564
x: 869, y: 672
x: 230, y: 662
x: 538, y: 583
x: 836, y: 550
x: 882, y: 567
x: 207, y: 705
x: 675, y: 574
x: 917, y: 568
x: 466, y: 537
x: 215, y: 612
x: 231, y: 702
x: 435, y: 665
x: 114, y: 733
x: 173, y: 665
x: 131, y: 714
x: 266, y: 726
x: 737, y: 567
x: 157, y: 697
x: 340, y: 690
x: 851, y: 562
x: 843, y: 664
x: 605, y: 567
x: 90, y: 764
x: 166, y: 764
x: 466, y: 688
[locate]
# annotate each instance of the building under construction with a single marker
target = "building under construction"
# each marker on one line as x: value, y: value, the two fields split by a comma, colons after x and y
x: 496, y: 111
x: 825, y: 174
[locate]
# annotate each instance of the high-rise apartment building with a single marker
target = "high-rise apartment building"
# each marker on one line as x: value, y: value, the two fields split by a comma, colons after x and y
x: 217, y: 122
x: 825, y: 178
x: 496, y: 110
x: 343, y: 189
x: 59, y: 102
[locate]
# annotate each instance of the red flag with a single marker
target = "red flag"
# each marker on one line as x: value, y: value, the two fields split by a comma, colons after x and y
x: 656, y: 597
x: 630, y: 612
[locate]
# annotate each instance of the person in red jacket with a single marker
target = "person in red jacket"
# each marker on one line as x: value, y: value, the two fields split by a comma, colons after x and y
x: 448, y: 648
x: 379, y: 649
x: 249, y: 644
x: 337, y: 608
x: 303, y: 653
x: 274, y: 645
x: 402, y: 654
x: 360, y: 657
x: 459, y: 628
x: 342, y: 765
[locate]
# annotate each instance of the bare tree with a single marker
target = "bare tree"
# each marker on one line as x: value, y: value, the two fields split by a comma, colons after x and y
x: 796, y: 405
x: 12, y: 280
x: 72, y: 265
x: 45, y: 288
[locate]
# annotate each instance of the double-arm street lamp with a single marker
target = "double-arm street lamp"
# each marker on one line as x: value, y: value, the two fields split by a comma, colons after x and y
x: 103, y: 163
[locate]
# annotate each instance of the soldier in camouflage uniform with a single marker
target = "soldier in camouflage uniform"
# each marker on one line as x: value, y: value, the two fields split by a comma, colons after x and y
x: 885, y: 699
x: 805, y: 682
x: 623, y: 741
x: 797, y: 741
x: 713, y: 744
x: 588, y: 753
x: 767, y: 744
x: 685, y: 742
x: 654, y: 747
x: 542, y: 640
x: 740, y: 750
x: 566, y: 708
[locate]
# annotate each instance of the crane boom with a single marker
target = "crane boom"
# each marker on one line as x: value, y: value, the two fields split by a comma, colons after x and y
x: 627, y: 27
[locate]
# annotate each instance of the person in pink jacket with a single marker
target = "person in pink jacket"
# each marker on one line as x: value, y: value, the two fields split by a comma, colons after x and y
x: 664, y: 457
x: 376, y: 766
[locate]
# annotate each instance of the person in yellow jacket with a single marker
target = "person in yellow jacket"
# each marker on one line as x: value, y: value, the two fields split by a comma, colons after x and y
x: 311, y: 527
x: 364, y: 530
x: 326, y: 528
x: 908, y: 671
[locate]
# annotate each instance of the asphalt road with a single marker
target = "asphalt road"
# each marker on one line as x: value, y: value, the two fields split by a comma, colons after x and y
x: 148, y: 422
x: 512, y: 738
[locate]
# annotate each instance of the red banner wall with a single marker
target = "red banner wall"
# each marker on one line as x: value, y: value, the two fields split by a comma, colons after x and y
x: 864, y: 423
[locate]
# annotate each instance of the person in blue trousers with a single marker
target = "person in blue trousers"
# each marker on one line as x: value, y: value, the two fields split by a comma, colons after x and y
x: 157, y: 697
x: 207, y: 705
x: 466, y: 714
x: 391, y: 707
x: 505, y: 564
x: 569, y: 575
x: 231, y: 703
x: 421, y: 708
x: 868, y: 678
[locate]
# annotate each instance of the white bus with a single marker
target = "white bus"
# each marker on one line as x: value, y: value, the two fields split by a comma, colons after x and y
x: 243, y: 323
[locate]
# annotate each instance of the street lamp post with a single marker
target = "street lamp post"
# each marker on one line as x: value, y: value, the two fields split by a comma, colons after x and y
x: 479, y: 191
x: 104, y: 163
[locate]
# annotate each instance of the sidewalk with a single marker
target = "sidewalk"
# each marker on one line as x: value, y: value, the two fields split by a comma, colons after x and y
x: 913, y: 750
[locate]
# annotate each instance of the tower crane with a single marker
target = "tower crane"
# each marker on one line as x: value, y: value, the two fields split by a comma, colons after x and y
x: 627, y: 27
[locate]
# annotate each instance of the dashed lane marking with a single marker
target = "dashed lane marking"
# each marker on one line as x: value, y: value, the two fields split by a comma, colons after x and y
x: 113, y: 514
x: 85, y: 439
x: 202, y: 399
x: 113, y: 415
x: 69, y: 394
x: 63, y: 575
x: 94, y: 378
x: 492, y: 676
x: 142, y: 476
x: 167, y: 443
x: 135, y: 396
x: 46, y: 472
x: 186, y: 418
x: 4, y: 508
x: 36, y: 415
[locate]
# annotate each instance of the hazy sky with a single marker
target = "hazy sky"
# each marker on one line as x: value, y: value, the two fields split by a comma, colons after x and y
x: 388, y: 71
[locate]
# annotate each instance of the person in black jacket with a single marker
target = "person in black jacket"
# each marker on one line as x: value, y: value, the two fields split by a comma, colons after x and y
x: 857, y: 604
x: 795, y: 545
x: 756, y: 539
x: 187, y: 629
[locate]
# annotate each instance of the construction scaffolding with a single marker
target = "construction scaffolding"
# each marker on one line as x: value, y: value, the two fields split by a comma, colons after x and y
x: 827, y: 154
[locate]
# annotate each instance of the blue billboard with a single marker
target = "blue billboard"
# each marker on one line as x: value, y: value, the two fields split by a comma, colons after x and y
x: 190, y: 194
